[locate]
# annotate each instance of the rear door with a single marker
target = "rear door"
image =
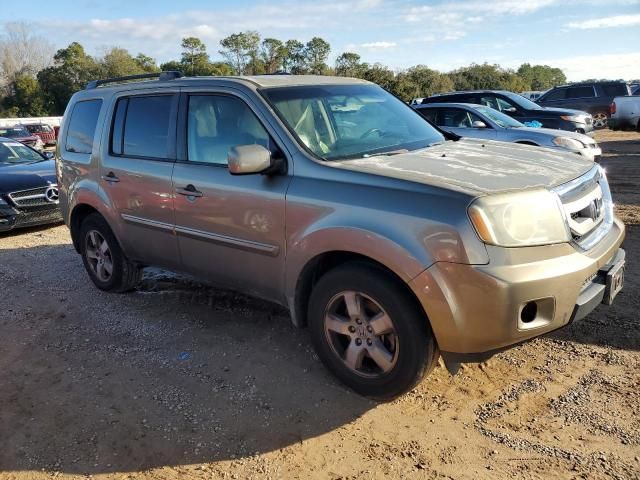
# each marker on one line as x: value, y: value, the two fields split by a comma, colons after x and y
x: 230, y: 229
x: 136, y: 171
x: 582, y: 97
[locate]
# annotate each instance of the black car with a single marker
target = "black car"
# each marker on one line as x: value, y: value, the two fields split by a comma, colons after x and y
x: 592, y: 97
x: 521, y: 109
x: 28, y: 190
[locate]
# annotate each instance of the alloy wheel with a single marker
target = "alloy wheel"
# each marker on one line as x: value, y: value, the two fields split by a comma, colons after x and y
x: 600, y: 120
x: 98, y: 255
x: 361, y: 334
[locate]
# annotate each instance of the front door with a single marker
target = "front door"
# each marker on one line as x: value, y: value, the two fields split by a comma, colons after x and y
x: 136, y: 171
x: 230, y: 229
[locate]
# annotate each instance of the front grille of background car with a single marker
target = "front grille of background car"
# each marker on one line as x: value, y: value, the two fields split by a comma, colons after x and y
x: 34, y: 197
x: 39, y: 215
x: 588, y: 207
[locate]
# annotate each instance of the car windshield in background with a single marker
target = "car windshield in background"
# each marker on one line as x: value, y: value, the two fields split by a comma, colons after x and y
x: 14, y: 152
x: 523, y: 102
x: 505, y: 121
x: 14, y: 132
x: 339, y: 122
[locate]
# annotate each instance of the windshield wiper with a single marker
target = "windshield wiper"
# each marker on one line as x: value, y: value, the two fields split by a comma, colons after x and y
x: 386, y: 154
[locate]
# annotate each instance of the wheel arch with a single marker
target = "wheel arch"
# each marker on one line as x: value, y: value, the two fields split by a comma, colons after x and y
x: 322, y: 263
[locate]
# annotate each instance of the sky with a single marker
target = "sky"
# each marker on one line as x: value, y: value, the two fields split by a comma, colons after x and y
x: 586, y: 38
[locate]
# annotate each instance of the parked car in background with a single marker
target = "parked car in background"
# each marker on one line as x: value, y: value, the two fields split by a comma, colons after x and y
x: 478, y: 121
x: 636, y: 90
x: 44, y: 131
x: 521, y: 109
x: 21, y: 134
x: 592, y: 97
x: 395, y: 243
x: 625, y: 113
x: 28, y: 189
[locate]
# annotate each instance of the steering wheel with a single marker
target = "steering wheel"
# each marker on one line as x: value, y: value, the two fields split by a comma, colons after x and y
x: 370, y: 132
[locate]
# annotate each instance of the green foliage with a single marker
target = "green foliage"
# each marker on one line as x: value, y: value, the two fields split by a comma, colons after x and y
x: 26, y: 99
x: 348, y: 65
x: 117, y: 62
x: 541, y: 77
x: 241, y: 52
x: 316, y: 53
x: 72, y: 69
x: 421, y: 81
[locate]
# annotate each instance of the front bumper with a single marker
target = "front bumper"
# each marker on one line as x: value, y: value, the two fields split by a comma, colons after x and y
x: 11, y: 218
x: 475, y: 311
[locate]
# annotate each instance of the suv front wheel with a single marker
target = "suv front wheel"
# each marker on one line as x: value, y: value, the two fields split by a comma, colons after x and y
x: 107, y: 265
x: 369, y: 332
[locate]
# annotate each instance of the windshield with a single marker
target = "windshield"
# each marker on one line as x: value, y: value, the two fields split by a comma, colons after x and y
x: 505, y: 121
x: 14, y: 152
x: 351, y: 121
x: 39, y: 128
x: 523, y: 102
x: 14, y: 132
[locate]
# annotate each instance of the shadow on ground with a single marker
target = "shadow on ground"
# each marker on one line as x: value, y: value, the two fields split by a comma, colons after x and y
x: 93, y: 382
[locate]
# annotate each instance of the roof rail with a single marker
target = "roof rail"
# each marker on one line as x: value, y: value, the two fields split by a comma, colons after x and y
x: 161, y: 76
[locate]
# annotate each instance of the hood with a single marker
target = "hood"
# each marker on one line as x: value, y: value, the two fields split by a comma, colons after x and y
x: 476, y: 166
x: 586, y: 139
x: 23, y: 176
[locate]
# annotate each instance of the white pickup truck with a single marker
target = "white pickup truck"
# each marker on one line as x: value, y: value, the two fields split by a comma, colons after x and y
x: 625, y: 113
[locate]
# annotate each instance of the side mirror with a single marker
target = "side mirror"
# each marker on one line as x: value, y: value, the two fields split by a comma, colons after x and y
x: 249, y: 159
x: 48, y: 155
x: 479, y: 124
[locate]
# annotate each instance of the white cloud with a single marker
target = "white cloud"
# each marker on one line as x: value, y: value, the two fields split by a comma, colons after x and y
x: 607, y: 22
x: 379, y: 45
x: 456, y: 13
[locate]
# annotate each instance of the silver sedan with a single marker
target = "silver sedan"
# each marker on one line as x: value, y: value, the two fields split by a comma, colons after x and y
x: 479, y: 121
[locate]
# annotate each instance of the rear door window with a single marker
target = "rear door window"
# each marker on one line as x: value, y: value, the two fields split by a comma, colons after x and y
x: 557, y: 94
x: 581, y: 92
x: 143, y: 127
x: 82, y: 126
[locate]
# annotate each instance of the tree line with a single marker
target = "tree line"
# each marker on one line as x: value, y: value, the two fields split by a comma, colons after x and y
x: 35, y: 81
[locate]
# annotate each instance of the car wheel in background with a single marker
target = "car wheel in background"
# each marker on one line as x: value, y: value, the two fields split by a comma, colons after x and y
x: 108, y: 267
x: 600, y: 120
x: 370, y: 332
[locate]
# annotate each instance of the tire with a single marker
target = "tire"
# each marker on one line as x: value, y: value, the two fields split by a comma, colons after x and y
x: 109, y: 269
x: 403, y: 355
x: 600, y: 120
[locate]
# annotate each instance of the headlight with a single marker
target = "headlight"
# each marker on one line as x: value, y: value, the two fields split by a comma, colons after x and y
x: 570, y: 143
x: 2, y: 202
x: 519, y: 219
x: 573, y: 118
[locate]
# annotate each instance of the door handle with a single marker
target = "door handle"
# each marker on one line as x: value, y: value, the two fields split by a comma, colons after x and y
x: 110, y: 177
x: 189, y: 191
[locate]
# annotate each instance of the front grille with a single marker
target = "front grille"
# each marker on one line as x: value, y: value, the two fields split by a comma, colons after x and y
x: 588, y: 208
x: 50, y: 214
x: 34, y: 197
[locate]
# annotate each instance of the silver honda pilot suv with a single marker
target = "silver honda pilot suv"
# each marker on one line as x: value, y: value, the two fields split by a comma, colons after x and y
x: 392, y: 241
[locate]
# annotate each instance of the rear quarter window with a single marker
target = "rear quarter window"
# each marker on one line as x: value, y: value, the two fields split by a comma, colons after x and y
x: 82, y: 126
x: 614, y: 90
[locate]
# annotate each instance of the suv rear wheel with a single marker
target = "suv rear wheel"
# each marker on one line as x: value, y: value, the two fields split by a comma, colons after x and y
x: 369, y: 331
x: 107, y: 265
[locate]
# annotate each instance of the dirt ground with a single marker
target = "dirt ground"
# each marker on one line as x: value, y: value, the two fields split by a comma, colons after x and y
x: 180, y: 379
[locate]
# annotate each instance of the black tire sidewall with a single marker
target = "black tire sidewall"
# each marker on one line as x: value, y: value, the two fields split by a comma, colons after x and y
x: 416, y: 343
